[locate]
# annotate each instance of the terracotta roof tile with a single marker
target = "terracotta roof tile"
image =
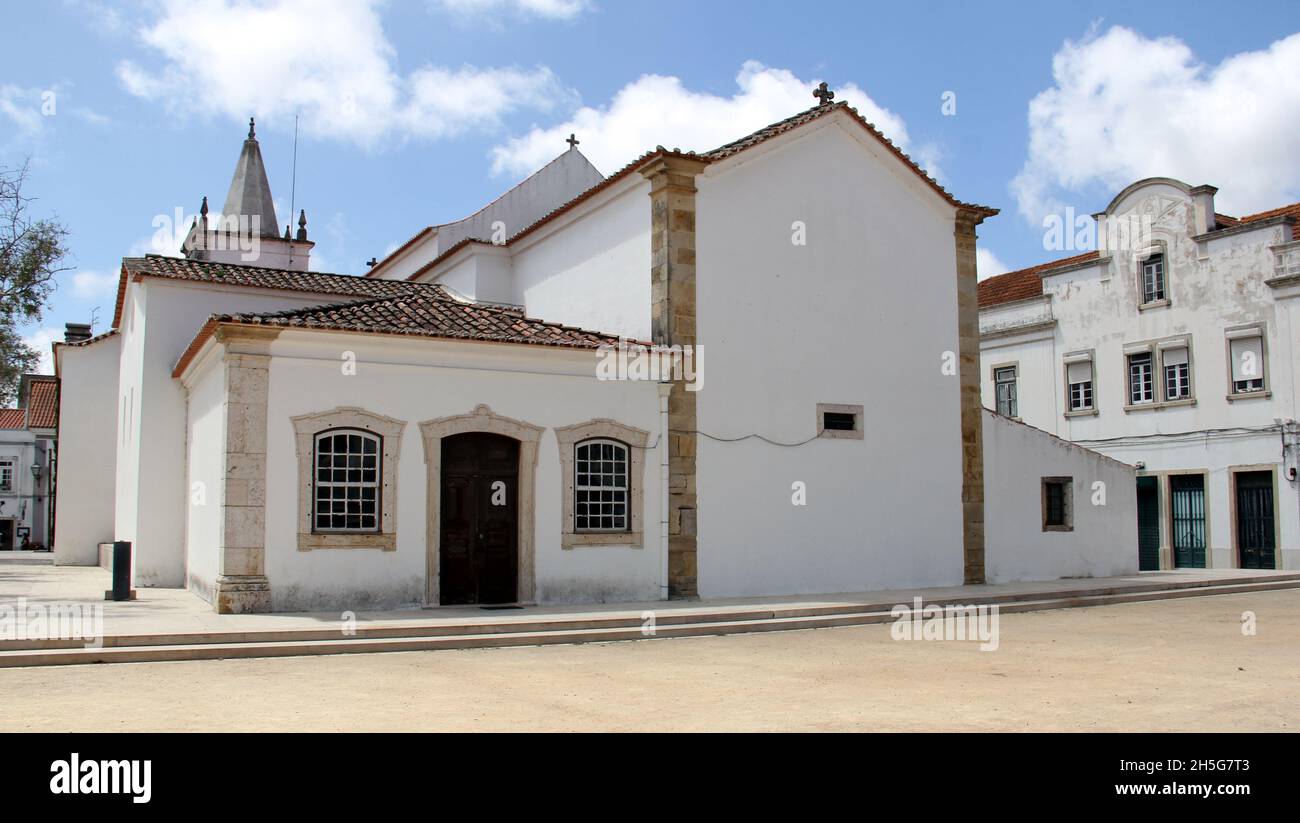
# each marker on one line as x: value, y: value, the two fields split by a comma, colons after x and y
x: 43, y: 404
x: 198, y: 271
x: 13, y: 419
x: 430, y: 312
x: 1292, y: 210
x: 1023, y: 284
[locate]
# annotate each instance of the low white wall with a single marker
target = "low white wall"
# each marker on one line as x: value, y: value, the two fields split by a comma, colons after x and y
x: 416, y: 381
x: 1103, y: 542
x: 87, y: 481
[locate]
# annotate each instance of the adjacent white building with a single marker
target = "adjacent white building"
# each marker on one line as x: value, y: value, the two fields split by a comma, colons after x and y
x: 290, y: 440
x: 1173, y: 350
x: 27, y: 464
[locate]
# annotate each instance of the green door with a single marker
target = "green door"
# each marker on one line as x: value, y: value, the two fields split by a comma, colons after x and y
x: 1148, y: 491
x: 1256, y: 540
x: 1187, y: 496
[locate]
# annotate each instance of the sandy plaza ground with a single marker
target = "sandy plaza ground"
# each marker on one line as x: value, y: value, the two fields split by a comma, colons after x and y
x: 1169, y: 665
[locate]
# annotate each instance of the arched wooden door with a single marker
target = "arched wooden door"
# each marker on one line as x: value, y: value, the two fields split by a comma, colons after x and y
x: 479, y: 512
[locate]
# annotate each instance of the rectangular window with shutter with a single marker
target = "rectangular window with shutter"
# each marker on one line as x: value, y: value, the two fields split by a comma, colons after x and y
x: 1178, y: 374
x: 1078, y: 376
x: 1247, y: 356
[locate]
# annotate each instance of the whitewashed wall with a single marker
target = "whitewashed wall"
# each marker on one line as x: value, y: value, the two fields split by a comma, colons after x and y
x: 151, y: 478
x: 1103, y: 542
x: 862, y: 314
x: 591, y: 269
x: 88, y: 428
x: 416, y: 381
x: 206, y: 468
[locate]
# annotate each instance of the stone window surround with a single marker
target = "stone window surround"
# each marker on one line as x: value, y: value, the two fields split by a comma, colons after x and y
x: 1238, y: 332
x: 993, y: 377
x: 1088, y: 356
x: 1160, y: 247
x: 568, y: 438
x: 1068, y: 503
x: 306, y: 427
x: 840, y: 434
x: 481, y: 419
x: 1156, y: 348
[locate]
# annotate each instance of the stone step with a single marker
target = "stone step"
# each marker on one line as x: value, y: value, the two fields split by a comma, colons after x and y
x: 617, y: 619
x: 536, y: 633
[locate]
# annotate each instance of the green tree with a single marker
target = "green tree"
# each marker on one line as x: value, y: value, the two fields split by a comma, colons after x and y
x: 30, y: 254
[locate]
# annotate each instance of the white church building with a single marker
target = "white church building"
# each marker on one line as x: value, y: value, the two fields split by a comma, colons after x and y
x: 1172, y: 349
x: 443, y: 431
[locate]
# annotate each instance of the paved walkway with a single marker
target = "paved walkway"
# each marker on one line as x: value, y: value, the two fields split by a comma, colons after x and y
x: 171, y: 611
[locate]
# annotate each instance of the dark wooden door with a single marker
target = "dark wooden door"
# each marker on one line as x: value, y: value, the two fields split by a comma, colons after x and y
x: 1256, y: 538
x: 1187, y: 498
x: 479, y: 532
x: 1148, y: 492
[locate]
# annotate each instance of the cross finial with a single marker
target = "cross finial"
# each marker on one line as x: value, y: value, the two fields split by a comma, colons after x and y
x: 372, y: 262
x: 572, y: 141
x: 251, y: 135
x: 824, y: 94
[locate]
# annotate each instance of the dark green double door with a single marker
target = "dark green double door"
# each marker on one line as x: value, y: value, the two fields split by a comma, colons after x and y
x: 1256, y: 537
x: 1187, y: 503
x: 1148, y: 491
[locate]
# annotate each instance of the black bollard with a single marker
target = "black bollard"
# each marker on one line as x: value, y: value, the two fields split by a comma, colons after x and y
x: 122, y: 570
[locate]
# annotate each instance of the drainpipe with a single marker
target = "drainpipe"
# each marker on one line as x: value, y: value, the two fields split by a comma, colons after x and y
x: 665, y: 389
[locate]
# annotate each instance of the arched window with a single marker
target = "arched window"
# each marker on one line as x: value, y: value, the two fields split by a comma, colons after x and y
x: 600, y: 486
x: 347, y: 466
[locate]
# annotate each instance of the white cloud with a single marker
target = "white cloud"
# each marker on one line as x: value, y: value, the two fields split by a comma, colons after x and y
x: 657, y: 110
x: 552, y: 9
x: 1125, y: 107
x: 88, y: 284
x: 22, y: 107
x: 41, y: 340
x: 987, y: 264
x: 329, y: 62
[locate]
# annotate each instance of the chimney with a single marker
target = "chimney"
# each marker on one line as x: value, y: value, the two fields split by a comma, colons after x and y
x: 1203, y: 208
x: 76, y: 332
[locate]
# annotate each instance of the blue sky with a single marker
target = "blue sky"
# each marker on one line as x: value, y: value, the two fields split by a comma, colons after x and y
x: 415, y: 113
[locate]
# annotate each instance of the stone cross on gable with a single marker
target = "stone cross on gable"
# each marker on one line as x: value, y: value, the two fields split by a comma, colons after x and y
x: 572, y: 141
x: 824, y: 94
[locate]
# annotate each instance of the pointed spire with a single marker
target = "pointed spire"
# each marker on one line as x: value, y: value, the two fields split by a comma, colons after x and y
x: 249, y: 197
x: 302, y: 226
x: 286, y: 231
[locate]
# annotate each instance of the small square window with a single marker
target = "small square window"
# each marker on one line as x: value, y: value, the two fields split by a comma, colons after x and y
x: 1058, y: 504
x: 836, y: 420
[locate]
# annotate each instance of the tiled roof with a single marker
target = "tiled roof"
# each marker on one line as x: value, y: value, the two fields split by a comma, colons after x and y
x: 13, y: 419
x: 1023, y: 284
x: 430, y: 312
x: 199, y: 271
x: 1292, y: 210
x: 43, y: 404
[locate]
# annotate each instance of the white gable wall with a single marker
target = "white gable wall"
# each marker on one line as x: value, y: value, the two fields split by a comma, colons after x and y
x: 860, y: 315
x: 151, y: 487
x: 88, y: 429
x: 205, y: 487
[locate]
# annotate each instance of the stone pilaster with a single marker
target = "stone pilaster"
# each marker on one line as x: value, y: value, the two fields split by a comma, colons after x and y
x: 672, y: 296
x: 972, y: 415
x: 242, y: 586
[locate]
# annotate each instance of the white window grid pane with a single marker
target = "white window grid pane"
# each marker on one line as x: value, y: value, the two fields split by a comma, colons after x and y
x: 346, y: 482
x: 601, y: 486
x: 1081, y: 395
x: 1153, y: 280
x: 1139, y: 379
x: 1178, y: 382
